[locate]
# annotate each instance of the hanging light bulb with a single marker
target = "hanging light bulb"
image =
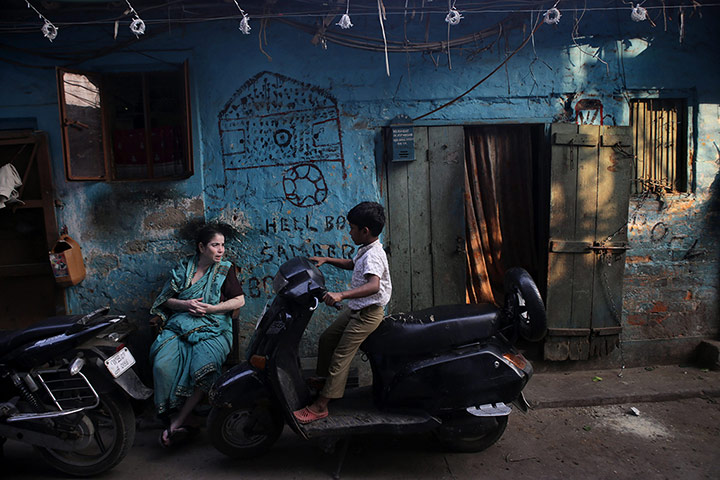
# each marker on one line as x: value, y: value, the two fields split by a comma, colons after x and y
x: 453, y: 17
x: 345, y: 22
x: 638, y: 13
x: 49, y: 30
x: 245, y: 24
x: 245, y: 21
x: 552, y: 16
x: 137, y: 26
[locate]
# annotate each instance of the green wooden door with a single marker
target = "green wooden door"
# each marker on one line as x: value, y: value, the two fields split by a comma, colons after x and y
x: 426, y: 221
x: 591, y: 173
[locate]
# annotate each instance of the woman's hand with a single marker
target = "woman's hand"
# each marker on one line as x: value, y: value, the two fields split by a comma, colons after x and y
x: 196, y: 307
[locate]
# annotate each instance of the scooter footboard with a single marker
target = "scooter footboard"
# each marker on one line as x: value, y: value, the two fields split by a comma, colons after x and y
x: 470, y: 376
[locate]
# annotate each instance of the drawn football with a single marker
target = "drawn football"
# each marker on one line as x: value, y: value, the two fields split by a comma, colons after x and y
x: 305, y: 185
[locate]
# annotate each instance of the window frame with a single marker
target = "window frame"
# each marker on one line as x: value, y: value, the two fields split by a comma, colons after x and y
x: 107, y: 165
x: 680, y: 111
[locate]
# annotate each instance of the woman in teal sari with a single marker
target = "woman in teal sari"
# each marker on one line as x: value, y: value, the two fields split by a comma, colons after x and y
x: 195, y: 306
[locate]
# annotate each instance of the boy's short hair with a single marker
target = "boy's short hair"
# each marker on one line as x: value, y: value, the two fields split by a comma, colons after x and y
x: 368, y: 214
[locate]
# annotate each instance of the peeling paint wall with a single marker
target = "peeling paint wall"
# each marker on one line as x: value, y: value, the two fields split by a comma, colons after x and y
x: 284, y: 148
x: 671, y: 275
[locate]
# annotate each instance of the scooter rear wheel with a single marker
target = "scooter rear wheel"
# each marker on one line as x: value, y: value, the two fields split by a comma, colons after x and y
x: 524, y: 303
x: 472, y: 439
x: 113, y: 425
x: 244, y: 432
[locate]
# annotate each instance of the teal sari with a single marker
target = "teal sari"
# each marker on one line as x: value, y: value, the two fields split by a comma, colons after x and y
x: 189, y: 351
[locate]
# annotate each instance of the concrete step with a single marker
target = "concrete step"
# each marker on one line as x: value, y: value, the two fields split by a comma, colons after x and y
x: 630, y: 385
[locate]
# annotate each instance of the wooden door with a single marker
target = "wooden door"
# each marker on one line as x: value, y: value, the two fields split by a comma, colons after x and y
x: 591, y: 173
x: 426, y: 221
x: 27, y: 233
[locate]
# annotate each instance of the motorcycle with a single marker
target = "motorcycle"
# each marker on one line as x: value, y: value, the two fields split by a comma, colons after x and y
x: 451, y: 370
x: 65, y: 388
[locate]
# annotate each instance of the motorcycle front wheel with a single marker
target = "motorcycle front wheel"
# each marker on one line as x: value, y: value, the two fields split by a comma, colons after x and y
x: 244, y: 432
x: 471, y: 439
x: 114, y: 432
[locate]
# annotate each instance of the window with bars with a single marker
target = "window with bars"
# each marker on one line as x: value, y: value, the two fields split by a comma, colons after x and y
x: 660, y: 130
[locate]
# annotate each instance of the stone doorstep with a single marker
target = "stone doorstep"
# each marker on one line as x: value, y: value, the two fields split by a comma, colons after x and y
x: 637, y: 385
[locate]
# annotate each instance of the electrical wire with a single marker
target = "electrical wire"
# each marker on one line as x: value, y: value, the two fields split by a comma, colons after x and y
x: 376, y: 45
x: 522, y: 45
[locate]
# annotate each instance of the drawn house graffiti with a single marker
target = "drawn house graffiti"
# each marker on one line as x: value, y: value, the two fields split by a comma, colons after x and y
x: 273, y: 121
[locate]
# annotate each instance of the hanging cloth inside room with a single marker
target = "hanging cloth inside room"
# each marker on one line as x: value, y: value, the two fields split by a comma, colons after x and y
x: 498, y: 207
x: 9, y: 184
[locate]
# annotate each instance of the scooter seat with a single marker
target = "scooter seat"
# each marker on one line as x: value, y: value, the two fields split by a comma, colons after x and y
x: 10, y: 339
x: 432, y: 329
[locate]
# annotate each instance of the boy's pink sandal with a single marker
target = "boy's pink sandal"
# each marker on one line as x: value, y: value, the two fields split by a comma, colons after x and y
x: 305, y: 415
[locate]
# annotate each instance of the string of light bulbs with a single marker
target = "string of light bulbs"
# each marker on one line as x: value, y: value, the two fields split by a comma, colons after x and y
x: 638, y: 13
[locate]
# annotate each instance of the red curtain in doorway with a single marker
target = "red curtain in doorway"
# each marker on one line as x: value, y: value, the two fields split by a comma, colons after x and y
x: 498, y: 207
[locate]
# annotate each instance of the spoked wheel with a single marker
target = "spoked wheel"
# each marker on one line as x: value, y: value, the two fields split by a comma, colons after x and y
x: 110, y: 432
x: 472, y: 438
x: 244, y: 432
x: 524, y: 304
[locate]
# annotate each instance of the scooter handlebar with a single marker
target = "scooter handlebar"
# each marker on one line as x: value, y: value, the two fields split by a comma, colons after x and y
x: 336, y: 306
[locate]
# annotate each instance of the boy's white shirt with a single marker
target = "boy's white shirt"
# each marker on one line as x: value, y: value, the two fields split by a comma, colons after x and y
x: 370, y: 259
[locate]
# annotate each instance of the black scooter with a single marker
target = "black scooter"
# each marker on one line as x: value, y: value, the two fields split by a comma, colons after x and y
x: 66, y: 385
x: 451, y: 370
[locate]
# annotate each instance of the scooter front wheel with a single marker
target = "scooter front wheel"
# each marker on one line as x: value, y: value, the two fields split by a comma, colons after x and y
x: 471, y: 438
x: 244, y: 432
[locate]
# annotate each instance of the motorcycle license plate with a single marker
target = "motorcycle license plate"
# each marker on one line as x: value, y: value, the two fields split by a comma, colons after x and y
x: 120, y: 362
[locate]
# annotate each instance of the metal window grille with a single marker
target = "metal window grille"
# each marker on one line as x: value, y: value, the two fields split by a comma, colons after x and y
x: 660, y: 129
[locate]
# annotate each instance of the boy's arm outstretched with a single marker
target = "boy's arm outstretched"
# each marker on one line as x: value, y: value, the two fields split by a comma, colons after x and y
x: 344, y: 263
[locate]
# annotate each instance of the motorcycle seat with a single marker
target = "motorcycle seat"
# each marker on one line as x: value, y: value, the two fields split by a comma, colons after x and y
x: 10, y: 339
x: 432, y: 329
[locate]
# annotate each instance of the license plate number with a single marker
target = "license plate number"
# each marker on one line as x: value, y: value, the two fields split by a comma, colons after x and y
x: 120, y: 362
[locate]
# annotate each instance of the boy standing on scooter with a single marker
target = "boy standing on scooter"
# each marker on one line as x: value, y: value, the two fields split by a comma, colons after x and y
x: 369, y: 293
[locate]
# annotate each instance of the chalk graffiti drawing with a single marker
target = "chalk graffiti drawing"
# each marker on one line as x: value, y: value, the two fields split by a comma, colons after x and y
x: 305, y: 186
x: 273, y: 121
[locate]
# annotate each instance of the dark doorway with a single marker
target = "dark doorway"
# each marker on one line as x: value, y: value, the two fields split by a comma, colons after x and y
x: 506, y: 198
x: 28, y: 231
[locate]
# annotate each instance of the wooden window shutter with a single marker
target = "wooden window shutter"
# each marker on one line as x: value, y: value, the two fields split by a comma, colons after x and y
x: 82, y: 122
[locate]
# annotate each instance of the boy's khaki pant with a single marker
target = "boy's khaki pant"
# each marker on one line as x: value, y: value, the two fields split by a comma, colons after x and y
x: 340, y: 342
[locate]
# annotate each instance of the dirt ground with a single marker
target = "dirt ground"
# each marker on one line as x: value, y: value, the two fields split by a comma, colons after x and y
x: 668, y: 440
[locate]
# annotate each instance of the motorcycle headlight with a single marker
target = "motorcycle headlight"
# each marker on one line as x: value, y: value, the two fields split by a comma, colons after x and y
x: 76, y: 366
x: 115, y: 337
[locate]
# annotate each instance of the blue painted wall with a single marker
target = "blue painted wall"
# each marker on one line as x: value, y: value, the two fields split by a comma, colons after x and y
x: 254, y: 118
